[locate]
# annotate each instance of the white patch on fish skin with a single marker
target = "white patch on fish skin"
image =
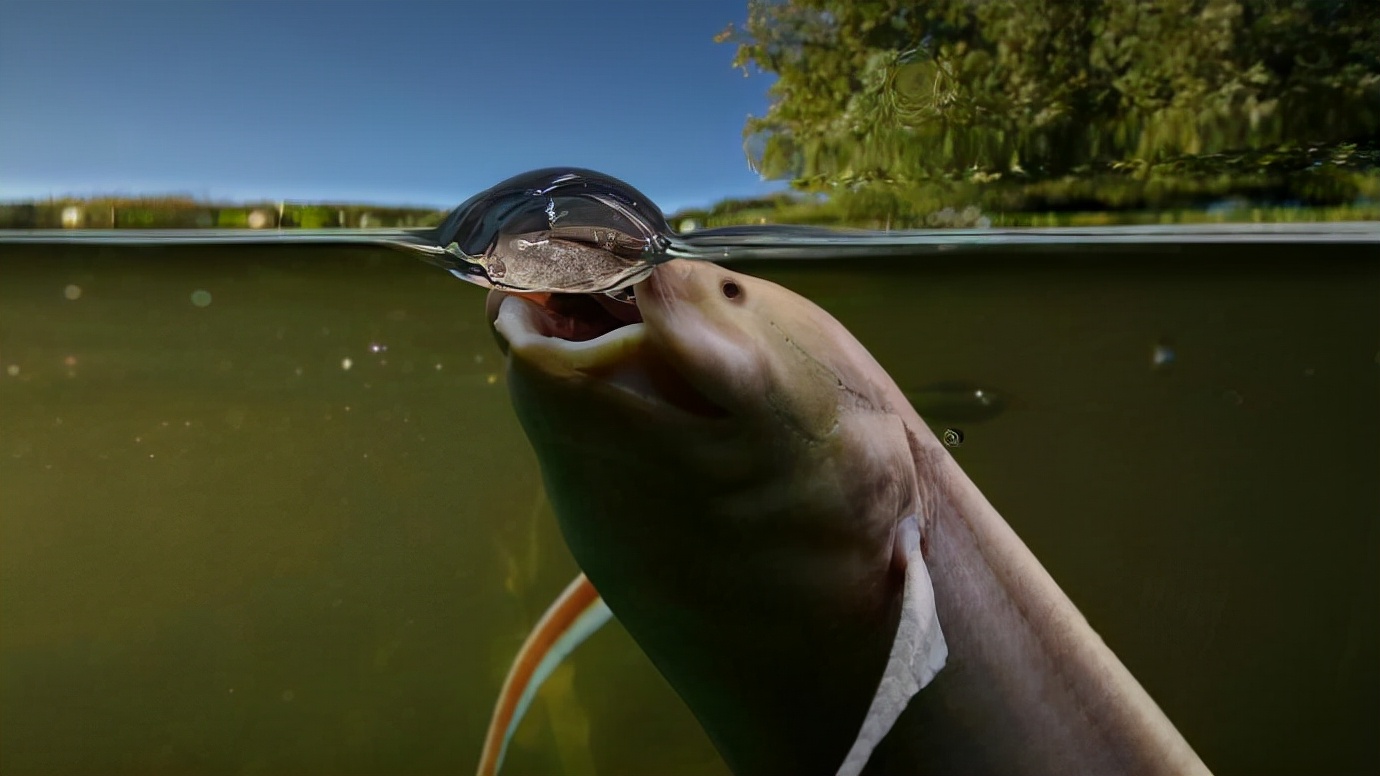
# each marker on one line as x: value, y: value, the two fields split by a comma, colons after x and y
x: 918, y: 653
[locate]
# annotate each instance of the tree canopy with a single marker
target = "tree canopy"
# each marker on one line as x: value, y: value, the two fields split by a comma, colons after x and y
x: 907, y: 91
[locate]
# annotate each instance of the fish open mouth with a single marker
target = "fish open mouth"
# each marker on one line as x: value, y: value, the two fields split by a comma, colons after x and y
x: 591, y: 338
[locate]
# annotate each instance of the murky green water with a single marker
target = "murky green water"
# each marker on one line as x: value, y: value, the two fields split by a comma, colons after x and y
x: 267, y: 511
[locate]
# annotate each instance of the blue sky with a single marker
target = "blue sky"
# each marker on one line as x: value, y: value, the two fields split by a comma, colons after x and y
x: 390, y: 102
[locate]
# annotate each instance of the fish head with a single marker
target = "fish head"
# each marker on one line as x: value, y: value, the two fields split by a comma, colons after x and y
x: 753, y: 349
x: 720, y: 373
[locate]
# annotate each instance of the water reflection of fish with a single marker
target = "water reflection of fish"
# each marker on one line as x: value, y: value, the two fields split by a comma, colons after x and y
x: 958, y: 402
x: 777, y: 529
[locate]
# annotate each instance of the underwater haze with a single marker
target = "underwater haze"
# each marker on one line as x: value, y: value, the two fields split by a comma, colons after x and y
x: 267, y: 510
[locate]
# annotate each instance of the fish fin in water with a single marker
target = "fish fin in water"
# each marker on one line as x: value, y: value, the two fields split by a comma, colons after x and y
x: 573, y: 617
x: 917, y: 654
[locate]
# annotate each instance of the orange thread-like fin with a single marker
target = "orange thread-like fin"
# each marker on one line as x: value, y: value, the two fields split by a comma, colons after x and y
x: 576, y: 614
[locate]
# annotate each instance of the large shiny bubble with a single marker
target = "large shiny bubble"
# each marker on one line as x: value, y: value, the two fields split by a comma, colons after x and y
x: 555, y: 230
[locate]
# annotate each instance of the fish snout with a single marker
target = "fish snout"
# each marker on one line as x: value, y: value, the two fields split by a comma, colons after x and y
x: 681, y: 282
x: 667, y: 282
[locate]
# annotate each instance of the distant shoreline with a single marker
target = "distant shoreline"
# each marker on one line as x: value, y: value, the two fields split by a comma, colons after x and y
x: 171, y: 212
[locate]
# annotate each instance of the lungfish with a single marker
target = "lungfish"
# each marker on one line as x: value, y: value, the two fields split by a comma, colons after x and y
x: 755, y: 501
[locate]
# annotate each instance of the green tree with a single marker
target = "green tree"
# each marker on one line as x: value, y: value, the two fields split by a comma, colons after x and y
x: 907, y: 91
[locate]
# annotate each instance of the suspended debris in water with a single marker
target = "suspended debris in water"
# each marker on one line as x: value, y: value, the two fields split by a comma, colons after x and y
x: 1162, y: 356
x: 957, y: 402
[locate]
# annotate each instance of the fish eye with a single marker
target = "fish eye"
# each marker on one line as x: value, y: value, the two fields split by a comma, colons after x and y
x: 731, y: 289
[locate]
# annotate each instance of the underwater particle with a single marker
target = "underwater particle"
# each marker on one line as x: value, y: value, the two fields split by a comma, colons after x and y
x: 952, y: 437
x: 12, y: 370
x: 378, y: 347
x: 1162, y: 356
x: 72, y: 292
x: 956, y: 401
x: 201, y: 297
x: 491, y: 379
x: 288, y: 695
x: 346, y: 363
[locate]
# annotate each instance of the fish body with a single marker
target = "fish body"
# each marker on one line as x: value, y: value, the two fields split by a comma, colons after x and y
x: 737, y: 475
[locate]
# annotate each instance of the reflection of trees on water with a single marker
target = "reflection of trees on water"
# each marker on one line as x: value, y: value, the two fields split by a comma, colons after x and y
x: 1162, y: 102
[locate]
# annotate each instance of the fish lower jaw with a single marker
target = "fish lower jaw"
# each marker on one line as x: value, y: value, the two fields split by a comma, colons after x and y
x: 526, y: 327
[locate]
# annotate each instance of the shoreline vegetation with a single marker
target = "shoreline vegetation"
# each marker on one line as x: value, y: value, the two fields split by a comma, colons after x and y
x: 1323, y: 182
x: 1336, y: 187
x: 174, y: 211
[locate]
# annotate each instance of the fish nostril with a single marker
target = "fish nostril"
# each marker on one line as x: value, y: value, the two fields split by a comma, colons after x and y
x: 731, y: 289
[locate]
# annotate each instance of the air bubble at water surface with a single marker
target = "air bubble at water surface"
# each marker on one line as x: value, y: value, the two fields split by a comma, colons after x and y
x: 555, y: 230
